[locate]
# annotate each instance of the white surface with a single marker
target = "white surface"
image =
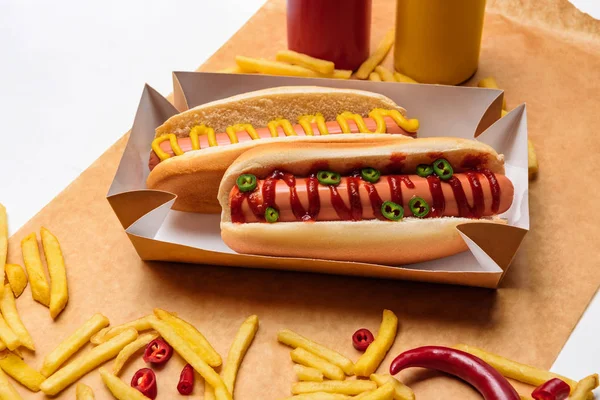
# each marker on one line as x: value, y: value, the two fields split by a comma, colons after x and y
x: 71, y: 74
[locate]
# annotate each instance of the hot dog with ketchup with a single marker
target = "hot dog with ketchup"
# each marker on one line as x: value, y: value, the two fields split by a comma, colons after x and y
x: 388, y: 203
x: 192, y: 150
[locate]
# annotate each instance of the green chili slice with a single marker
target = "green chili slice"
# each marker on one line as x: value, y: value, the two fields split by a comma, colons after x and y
x: 443, y: 169
x: 392, y: 211
x: 271, y: 215
x: 329, y: 178
x: 370, y: 174
x: 419, y: 207
x: 424, y: 170
x: 246, y: 182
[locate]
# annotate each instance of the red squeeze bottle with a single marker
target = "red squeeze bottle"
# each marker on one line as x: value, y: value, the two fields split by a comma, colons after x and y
x: 334, y: 30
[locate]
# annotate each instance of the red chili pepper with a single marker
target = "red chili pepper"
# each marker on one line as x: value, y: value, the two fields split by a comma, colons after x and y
x: 186, y: 380
x: 465, y: 366
x: 554, y: 389
x: 361, y: 339
x: 158, y: 352
x: 144, y: 380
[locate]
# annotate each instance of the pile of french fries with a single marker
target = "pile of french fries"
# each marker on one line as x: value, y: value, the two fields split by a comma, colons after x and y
x: 322, y: 372
x: 291, y: 63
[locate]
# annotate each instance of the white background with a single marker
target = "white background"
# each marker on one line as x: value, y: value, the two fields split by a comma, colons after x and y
x: 53, y: 52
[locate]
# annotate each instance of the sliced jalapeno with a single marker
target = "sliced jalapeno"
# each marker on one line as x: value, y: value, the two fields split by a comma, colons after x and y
x: 370, y: 174
x: 392, y: 211
x: 329, y: 178
x: 271, y: 215
x: 443, y: 169
x: 419, y: 207
x: 424, y: 170
x: 246, y: 182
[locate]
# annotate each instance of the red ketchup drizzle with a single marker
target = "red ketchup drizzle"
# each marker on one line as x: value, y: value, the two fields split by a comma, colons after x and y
x: 495, y: 187
x: 477, y: 193
x: 437, y: 194
x: 353, y: 213
x: 395, y: 182
x: 464, y: 209
x: 236, y: 200
x: 375, y: 199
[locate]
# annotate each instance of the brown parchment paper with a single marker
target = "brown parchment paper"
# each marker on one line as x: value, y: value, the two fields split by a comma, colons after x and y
x: 529, y: 318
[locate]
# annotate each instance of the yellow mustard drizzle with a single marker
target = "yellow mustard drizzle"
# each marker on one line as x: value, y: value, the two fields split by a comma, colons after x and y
x: 343, y: 118
x: 234, y: 129
x: 174, y: 146
x: 306, y: 122
x: 287, y: 127
x: 202, y: 130
x: 409, y: 125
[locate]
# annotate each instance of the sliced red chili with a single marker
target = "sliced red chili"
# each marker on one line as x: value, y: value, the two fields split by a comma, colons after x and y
x: 144, y: 380
x: 186, y: 380
x: 361, y: 339
x: 554, y: 389
x: 158, y: 352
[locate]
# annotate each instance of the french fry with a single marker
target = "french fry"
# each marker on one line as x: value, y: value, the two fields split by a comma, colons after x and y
x: 192, y: 336
x: 306, y: 358
x: 2, y: 346
x: 362, y: 395
x: 7, y: 390
x: 377, y: 57
x: 9, y: 338
x: 584, y: 387
x: 140, y: 324
x: 132, y: 348
x: 319, y: 396
x: 21, y: 372
x: 248, y: 64
x: 169, y: 334
x: 372, y: 357
x: 515, y: 370
x: 119, y: 389
x: 383, y: 392
x: 237, y: 351
x: 385, y: 74
x: 40, y: 291
x: 3, y: 241
x: 16, y: 278
x: 532, y: 161
x: 374, y: 76
x: 231, y: 70
x: 503, y: 113
x: 403, y: 78
x: 321, y: 66
x: 59, y: 292
x: 77, y: 368
x: 84, y: 392
x: 490, y: 83
x: 341, y: 74
x: 307, y: 373
x: 341, y: 387
x: 401, y: 391
x: 236, y: 354
x: 8, y: 307
x: 295, y: 340
x: 72, y: 344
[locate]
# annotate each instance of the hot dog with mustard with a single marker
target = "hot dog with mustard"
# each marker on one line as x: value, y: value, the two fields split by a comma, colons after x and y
x: 387, y: 203
x: 192, y: 150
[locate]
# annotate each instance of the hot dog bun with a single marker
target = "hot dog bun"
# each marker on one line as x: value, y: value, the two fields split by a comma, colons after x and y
x: 259, y: 107
x: 195, y: 175
x: 373, y: 241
